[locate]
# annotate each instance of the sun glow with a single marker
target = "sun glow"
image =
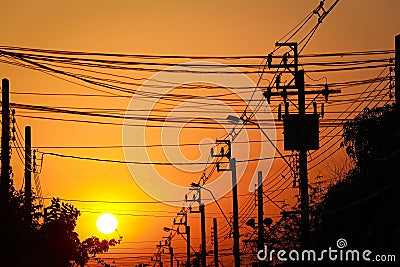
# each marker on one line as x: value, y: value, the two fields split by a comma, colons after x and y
x: 107, y: 223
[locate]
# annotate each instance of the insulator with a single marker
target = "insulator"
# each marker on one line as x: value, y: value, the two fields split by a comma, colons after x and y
x: 279, y: 112
x: 284, y: 95
x: 284, y: 60
x: 268, y: 95
x: 269, y: 60
x: 322, y: 110
x: 286, y: 108
x: 278, y: 80
x: 326, y: 92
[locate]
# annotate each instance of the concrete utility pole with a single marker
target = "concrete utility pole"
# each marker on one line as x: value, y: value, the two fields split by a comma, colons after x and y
x: 301, y: 131
x: 203, y: 236
x: 203, y: 253
x: 171, y: 255
x: 260, y: 215
x: 188, y: 246
x: 28, y: 173
x: 215, y: 231
x: 235, y: 208
x: 397, y: 69
x: 303, y: 170
x: 5, y: 142
x: 226, y: 153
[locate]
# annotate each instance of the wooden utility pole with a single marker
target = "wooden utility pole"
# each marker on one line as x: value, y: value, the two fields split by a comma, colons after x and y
x: 28, y: 173
x: 215, y: 239
x: 5, y: 142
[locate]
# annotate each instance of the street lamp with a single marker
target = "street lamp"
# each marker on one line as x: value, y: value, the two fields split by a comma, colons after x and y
x: 196, y: 185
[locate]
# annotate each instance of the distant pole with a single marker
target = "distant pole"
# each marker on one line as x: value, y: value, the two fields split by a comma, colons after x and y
x: 235, y: 207
x: 397, y: 69
x: 171, y: 255
x: 5, y: 142
x: 260, y: 204
x: 187, y: 246
x: 215, y: 229
x: 203, y: 236
x: 28, y: 173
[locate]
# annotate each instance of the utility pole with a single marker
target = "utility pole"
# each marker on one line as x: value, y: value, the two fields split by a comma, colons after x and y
x: 226, y: 153
x: 397, y: 69
x: 235, y: 207
x: 260, y: 213
x: 215, y: 230
x: 183, y: 221
x: 303, y: 182
x: 203, y: 253
x: 187, y: 245
x: 301, y: 131
x: 5, y: 143
x: 203, y: 236
x: 28, y: 173
x: 171, y: 255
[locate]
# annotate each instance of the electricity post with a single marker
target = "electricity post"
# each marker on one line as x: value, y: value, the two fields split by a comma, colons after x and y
x: 215, y: 239
x: 188, y: 246
x: 235, y: 206
x: 203, y: 254
x: 183, y: 221
x: 171, y: 256
x: 28, y: 173
x: 301, y: 131
x: 397, y: 69
x: 5, y: 143
x: 260, y: 215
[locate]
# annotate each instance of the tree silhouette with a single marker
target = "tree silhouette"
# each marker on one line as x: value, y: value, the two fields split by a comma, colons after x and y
x: 48, y: 239
x: 361, y: 207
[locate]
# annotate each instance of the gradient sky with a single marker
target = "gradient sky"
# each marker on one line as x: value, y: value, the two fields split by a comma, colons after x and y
x: 207, y: 27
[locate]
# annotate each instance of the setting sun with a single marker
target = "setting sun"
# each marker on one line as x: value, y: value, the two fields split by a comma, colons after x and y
x: 107, y: 223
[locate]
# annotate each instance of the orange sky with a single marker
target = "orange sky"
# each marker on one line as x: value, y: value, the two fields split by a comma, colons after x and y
x: 216, y: 28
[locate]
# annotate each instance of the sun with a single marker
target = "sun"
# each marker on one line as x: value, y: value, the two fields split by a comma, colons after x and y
x: 107, y: 223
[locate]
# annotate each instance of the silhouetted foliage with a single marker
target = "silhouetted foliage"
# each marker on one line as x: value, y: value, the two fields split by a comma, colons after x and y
x: 48, y: 239
x: 362, y: 207
x: 372, y: 135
